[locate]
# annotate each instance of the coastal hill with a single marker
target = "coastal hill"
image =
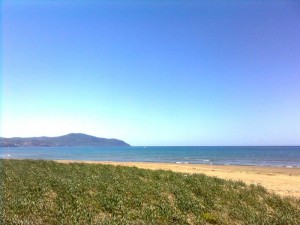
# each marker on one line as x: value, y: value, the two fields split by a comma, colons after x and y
x: 69, y: 140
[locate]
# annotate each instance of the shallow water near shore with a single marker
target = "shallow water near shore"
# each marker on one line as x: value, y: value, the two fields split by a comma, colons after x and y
x: 280, y: 156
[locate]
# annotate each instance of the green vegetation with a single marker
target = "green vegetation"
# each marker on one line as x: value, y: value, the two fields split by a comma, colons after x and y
x: 46, y: 192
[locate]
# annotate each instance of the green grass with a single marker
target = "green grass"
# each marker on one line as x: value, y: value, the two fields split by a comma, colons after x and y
x: 45, y: 192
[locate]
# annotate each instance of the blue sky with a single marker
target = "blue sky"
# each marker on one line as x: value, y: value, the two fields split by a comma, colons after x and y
x: 153, y: 72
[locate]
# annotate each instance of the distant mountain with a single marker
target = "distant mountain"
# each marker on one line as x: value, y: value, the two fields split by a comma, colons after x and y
x: 69, y: 140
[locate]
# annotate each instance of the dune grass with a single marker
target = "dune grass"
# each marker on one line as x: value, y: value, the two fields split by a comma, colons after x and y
x: 46, y: 192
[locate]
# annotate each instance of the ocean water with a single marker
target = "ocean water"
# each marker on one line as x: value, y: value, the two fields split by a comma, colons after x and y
x: 258, y: 156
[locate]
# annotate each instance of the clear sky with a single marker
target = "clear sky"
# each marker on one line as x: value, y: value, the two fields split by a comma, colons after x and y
x: 152, y: 73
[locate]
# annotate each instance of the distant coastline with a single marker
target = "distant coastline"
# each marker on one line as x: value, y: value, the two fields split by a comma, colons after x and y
x: 69, y: 140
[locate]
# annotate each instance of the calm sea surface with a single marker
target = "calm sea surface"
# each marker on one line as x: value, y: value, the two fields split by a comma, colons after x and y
x: 259, y: 156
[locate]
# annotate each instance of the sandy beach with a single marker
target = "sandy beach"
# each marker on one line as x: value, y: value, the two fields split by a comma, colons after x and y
x: 283, y: 181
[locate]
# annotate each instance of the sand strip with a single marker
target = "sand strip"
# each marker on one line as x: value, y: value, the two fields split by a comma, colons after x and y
x: 283, y: 181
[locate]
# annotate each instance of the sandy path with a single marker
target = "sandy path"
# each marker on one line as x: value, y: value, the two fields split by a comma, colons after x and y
x: 283, y: 181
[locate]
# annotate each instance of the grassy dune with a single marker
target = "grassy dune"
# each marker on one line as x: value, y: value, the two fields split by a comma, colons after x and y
x: 46, y: 192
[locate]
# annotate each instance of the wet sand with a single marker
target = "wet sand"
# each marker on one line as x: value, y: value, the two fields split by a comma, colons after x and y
x: 280, y: 180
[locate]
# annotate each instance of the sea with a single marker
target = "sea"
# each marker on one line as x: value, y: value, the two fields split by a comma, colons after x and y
x: 279, y: 156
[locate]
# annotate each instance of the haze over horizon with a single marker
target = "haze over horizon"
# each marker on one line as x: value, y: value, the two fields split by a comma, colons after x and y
x: 152, y: 72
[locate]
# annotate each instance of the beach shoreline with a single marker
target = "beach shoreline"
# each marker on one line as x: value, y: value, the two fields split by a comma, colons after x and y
x: 280, y: 180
